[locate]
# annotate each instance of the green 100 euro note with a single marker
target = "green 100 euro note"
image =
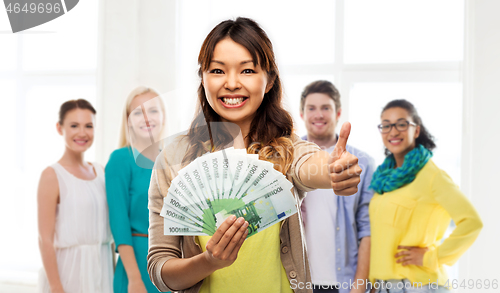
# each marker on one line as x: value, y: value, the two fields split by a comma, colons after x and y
x: 218, y: 185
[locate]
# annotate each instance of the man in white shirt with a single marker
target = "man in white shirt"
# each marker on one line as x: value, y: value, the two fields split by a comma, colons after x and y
x: 337, y: 227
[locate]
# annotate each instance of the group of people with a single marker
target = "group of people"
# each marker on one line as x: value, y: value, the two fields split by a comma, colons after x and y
x: 84, y: 209
x: 360, y: 228
x: 387, y: 236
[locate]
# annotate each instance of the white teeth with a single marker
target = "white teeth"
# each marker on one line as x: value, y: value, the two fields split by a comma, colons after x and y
x: 232, y: 101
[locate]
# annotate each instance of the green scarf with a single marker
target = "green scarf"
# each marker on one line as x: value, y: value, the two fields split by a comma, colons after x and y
x: 387, y: 178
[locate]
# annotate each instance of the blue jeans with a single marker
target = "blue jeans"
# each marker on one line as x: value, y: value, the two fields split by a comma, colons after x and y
x: 405, y: 286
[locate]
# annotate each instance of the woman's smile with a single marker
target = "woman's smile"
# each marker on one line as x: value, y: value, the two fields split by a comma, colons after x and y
x: 395, y: 141
x: 234, y: 83
x: 233, y: 101
x: 81, y: 142
x: 147, y: 128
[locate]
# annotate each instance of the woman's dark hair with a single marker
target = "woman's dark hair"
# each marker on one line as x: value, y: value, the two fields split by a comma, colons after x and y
x: 74, y: 104
x: 425, y: 138
x: 269, y: 134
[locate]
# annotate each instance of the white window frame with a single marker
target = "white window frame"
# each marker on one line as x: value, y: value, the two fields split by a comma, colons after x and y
x: 25, y: 80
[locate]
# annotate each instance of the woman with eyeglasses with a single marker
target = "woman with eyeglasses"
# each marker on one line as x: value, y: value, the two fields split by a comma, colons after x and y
x: 411, y: 209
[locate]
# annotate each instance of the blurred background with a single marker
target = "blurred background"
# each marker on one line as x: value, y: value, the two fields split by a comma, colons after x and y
x: 442, y: 55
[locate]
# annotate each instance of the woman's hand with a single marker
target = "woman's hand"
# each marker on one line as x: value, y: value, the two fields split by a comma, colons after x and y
x: 411, y: 255
x: 221, y: 251
x: 127, y: 255
x: 223, y: 247
x: 343, y: 166
x: 136, y: 285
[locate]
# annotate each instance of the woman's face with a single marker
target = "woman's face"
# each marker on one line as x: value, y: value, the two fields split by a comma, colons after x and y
x: 146, y: 117
x: 234, y: 86
x: 78, y: 129
x: 399, y: 142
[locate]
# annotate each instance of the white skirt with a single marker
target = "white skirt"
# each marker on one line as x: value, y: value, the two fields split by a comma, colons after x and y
x: 82, y: 269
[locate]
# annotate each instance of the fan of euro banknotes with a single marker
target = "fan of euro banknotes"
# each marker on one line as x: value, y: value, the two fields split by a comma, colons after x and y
x: 224, y: 183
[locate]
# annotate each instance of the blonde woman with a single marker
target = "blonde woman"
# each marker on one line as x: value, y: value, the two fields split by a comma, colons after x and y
x: 128, y: 174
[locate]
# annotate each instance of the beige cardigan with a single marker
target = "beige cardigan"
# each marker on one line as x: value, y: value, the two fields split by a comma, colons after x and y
x: 162, y: 248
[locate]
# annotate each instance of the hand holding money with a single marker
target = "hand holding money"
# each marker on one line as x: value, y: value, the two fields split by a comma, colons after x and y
x: 222, y: 185
x: 223, y: 247
x: 343, y: 166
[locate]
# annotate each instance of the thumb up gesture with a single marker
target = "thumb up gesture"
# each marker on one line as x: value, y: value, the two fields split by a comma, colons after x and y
x: 343, y: 166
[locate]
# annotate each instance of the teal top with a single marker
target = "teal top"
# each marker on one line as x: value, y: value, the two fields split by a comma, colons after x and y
x: 127, y: 187
x: 128, y: 174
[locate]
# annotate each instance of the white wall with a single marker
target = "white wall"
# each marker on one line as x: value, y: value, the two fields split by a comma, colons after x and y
x: 481, y: 141
x: 137, y: 47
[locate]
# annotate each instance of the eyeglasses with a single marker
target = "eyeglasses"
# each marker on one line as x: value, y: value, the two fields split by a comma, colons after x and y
x: 401, y: 125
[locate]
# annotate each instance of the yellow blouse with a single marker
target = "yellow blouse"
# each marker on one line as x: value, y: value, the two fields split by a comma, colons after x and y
x: 257, y: 268
x: 418, y: 214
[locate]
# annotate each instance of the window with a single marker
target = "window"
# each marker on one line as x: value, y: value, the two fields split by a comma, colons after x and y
x: 392, y: 31
x: 39, y: 70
